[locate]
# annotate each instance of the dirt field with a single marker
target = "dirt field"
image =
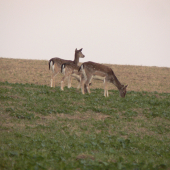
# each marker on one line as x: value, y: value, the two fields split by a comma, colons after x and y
x: 138, y: 78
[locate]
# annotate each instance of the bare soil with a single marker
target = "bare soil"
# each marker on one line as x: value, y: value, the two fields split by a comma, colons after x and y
x: 138, y: 78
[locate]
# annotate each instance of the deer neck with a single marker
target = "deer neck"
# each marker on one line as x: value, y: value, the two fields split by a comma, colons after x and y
x: 116, y: 82
x: 76, y: 59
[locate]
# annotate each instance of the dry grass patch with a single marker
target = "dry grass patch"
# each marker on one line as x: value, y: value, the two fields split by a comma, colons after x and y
x: 84, y: 116
x: 85, y: 156
x: 9, y: 123
x: 139, y: 78
x: 141, y: 126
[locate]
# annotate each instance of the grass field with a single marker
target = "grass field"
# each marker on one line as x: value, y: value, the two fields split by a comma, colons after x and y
x: 46, y: 128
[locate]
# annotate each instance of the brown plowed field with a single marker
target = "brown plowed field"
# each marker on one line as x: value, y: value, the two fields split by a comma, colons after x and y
x: 138, y: 78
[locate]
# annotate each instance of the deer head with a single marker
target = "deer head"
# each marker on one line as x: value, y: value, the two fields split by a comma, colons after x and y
x: 79, y: 53
x: 122, y: 91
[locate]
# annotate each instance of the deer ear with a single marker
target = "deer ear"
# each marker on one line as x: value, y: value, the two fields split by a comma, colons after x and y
x: 126, y: 86
x: 76, y: 49
x: 81, y: 49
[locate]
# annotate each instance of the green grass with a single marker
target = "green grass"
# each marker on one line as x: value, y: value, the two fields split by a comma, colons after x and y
x: 46, y: 128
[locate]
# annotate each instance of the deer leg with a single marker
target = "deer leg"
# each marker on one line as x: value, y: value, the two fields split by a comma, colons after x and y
x: 82, y: 86
x: 82, y: 83
x: 62, y: 83
x: 52, y: 80
x: 54, y: 73
x: 89, y: 79
x: 69, y: 81
x: 106, y: 93
x: 104, y: 88
x: 67, y: 75
x: 79, y: 83
x: 88, y: 89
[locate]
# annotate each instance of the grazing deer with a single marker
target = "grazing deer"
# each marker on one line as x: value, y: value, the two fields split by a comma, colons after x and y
x: 55, y: 65
x: 91, y: 70
x: 70, y: 70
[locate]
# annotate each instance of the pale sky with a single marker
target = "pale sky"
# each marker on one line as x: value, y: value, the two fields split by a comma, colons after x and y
x: 127, y: 32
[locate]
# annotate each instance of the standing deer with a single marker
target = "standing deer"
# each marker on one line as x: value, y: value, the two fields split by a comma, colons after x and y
x: 90, y: 70
x: 70, y: 70
x: 55, y: 65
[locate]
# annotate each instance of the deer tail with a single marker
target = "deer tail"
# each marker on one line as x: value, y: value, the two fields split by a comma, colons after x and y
x: 63, y: 68
x: 51, y: 65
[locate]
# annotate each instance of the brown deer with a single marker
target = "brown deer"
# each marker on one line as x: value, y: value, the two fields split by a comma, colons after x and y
x: 90, y: 70
x: 70, y: 70
x: 55, y: 65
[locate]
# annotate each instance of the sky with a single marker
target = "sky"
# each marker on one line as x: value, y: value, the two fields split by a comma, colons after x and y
x: 126, y: 32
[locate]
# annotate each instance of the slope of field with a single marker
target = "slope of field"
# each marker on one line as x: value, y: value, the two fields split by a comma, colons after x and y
x: 138, y: 78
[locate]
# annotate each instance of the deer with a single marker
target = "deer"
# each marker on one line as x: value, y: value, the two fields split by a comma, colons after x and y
x: 70, y: 70
x: 55, y: 65
x: 90, y: 70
